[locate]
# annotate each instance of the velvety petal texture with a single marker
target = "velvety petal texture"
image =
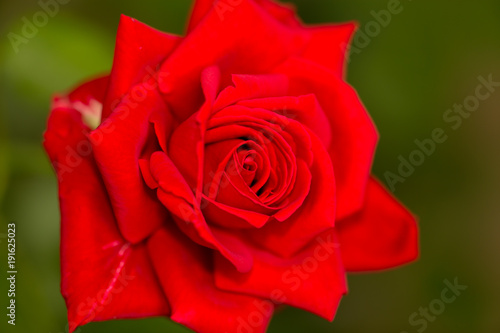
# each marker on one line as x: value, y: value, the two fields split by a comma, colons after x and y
x: 186, y: 274
x: 249, y: 41
x: 381, y: 235
x: 138, y: 51
x: 313, y: 279
x: 214, y: 177
x: 103, y: 275
x: 126, y: 136
x: 353, y: 146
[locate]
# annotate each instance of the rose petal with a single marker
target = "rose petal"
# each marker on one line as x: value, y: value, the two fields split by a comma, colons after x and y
x: 271, y: 41
x: 284, y: 13
x: 355, y: 136
x: 126, y: 136
x: 178, y: 198
x: 103, y: 276
x: 185, y: 271
x: 187, y: 144
x: 316, y: 214
x: 250, y: 87
x: 138, y: 52
x: 231, y: 217
x: 329, y: 46
x: 217, y: 158
x: 313, y: 279
x: 382, y: 235
x: 286, y: 139
x: 199, y: 11
x: 90, y: 90
x: 304, y: 109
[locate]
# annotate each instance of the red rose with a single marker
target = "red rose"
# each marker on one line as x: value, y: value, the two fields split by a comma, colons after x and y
x: 214, y: 176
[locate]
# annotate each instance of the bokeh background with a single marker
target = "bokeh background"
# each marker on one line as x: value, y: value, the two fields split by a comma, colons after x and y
x: 427, y: 59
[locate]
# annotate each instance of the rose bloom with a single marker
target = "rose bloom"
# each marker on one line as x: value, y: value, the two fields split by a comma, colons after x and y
x: 214, y: 177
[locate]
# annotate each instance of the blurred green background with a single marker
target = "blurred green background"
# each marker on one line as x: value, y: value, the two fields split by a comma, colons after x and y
x: 408, y: 74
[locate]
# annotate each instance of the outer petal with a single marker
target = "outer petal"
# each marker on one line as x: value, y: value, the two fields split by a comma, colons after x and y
x: 185, y: 272
x: 199, y: 11
x: 382, y: 235
x: 271, y: 43
x: 313, y: 279
x: 284, y: 13
x: 91, y: 90
x: 139, y: 51
x: 354, y: 135
x: 328, y: 46
x: 121, y: 140
x: 103, y: 276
